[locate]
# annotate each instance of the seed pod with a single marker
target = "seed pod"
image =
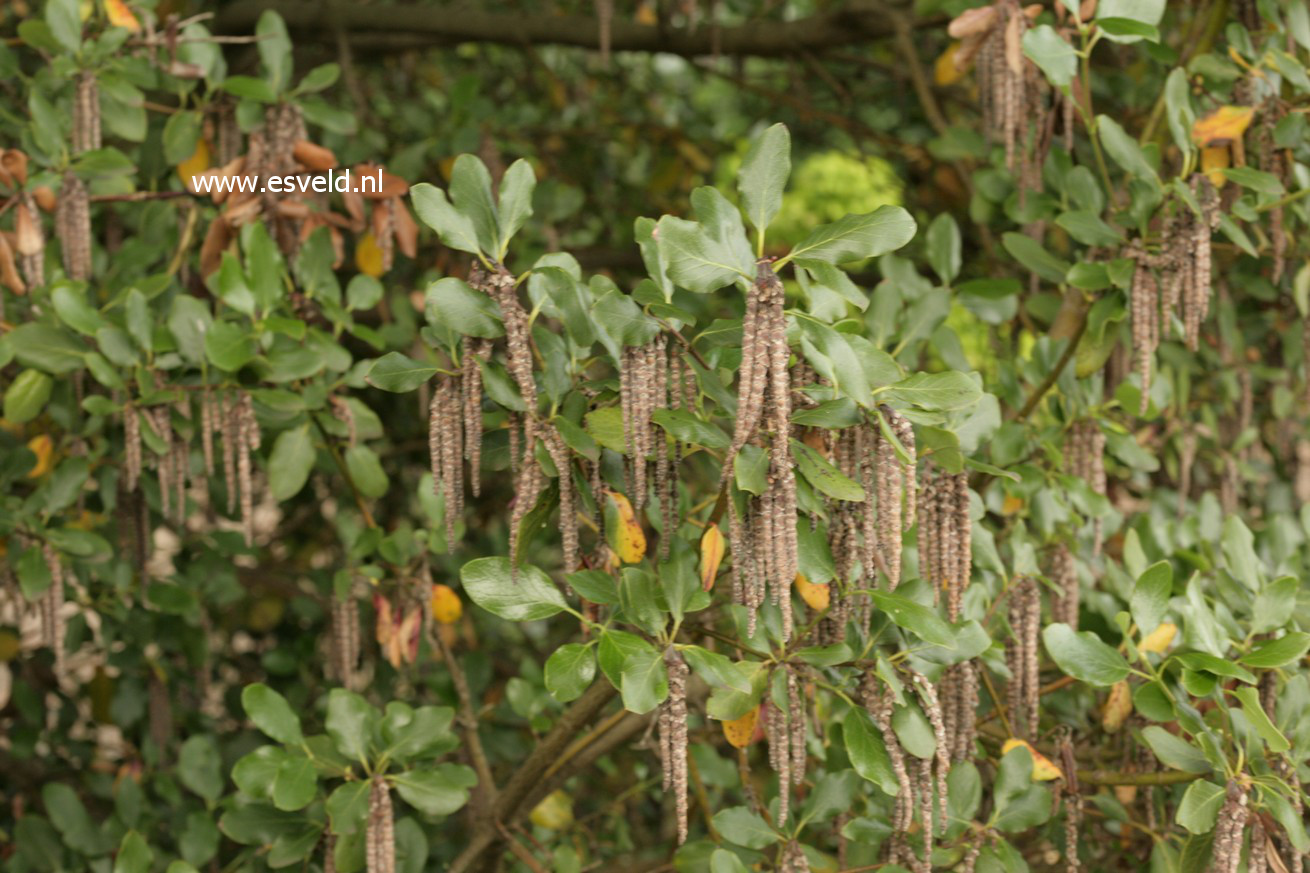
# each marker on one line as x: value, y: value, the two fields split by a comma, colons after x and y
x: 73, y: 227
x: 380, y: 836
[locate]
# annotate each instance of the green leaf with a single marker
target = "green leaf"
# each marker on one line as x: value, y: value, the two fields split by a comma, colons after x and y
x: 1128, y: 30
x: 721, y: 671
x: 189, y: 320
x: 320, y: 78
x: 696, y: 260
x: 1088, y: 228
x: 740, y: 826
x: 66, y: 27
x: 1200, y: 806
x: 751, y: 469
x: 920, y: 620
x: 398, y: 373
x: 410, y: 733
x: 868, y: 751
x: 1124, y: 150
x: 73, y: 310
x: 366, y: 471
x: 1218, y: 666
x: 271, y: 713
x: 569, y: 670
x: 855, y: 237
x: 254, y: 773
x: 763, y: 175
x: 525, y: 594
x: 470, y: 191
x: 1030, y: 253
x: 823, y: 475
x: 936, y: 392
x: 1150, y: 597
x: 229, y: 346
x: 723, y: 861
x: 1239, y: 553
x: 134, y: 854
x: 27, y: 395
x: 944, y: 247
x: 644, y: 682
x: 685, y: 427
x: 274, y: 50
x: 454, y: 228
x: 1083, y: 656
x: 615, y: 648
x: 70, y: 817
x: 291, y: 462
x: 199, y: 767
x: 1259, y: 719
x: 364, y: 292
x: 1280, y: 652
x: 1174, y: 751
x: 347, y: 806
x: 516, y: 188
x: 351, y: 721
x: 249, y: 88
x: 1275, y: 605
x: 295, y: 784
x: 1048, y: 50
x: 439, y: 791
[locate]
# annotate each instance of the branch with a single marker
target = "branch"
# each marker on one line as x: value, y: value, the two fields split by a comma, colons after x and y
x: 1054, y: 376
x: 1112, y: 777
x: 468, y: 721
x: 857, y: 22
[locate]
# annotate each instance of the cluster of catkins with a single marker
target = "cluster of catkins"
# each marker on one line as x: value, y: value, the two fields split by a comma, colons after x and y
x: 1084, y: 454
x: 672, y: 724
x: 231, y: 414
x: 1226, y: 850
x: 945, y: 535
x: 1021, y: 657
x: 654, y: 377
x: 762, y: 531
x: 785, y: 729
x: 1183, y: 286
x: 455, y: 430
x: 920, y: 780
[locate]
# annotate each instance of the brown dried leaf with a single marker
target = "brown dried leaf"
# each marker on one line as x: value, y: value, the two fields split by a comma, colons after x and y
x: 8, y: 270
x: 1014, y: 44
x: 314, y: 156
x: 972, y: 22
x: 15, y: 163
x: 406, y: 230
x: 26, y: 231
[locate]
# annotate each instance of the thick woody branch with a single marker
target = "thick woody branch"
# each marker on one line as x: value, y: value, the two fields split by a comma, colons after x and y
x: 854, y: 23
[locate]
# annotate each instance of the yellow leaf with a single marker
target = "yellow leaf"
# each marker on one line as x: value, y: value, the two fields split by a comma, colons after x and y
x: 1225, y: 124
x: 622, y: 529
x: 121, y: 15
x: 1125, y: 794
x: 943, y: 71
x: 740, y: 731
x: 1214, y: 160
x: 554, y: 812
x: 1157, y: 641
x: 10, y: 644
x: 1011, y: 504
x: 446, y: 605
x: 44, y: 449
x: 816, y: 597
x: 1118, y: 706
x: 1043, y: 769
x: 711, y: 555
x: 368, y: 256
x: 196, y: 164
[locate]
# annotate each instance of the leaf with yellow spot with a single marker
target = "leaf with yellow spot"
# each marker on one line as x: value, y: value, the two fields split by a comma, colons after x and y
x: 1225, y: 124
x: 196, y: 164
x: 740, y: 731
x: 1118, y: 706
x: 816, y: 597
x: 1214, y: 160
x: 121, y: 15
x: 368, y: 256
x: 446, y: 605
x: 1157, y: 642
x: 622, y: 530
x: 711, y: 555
x: 1043, y: 769
x: 44, y: 449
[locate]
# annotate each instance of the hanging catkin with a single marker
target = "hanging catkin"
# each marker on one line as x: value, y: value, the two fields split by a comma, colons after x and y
x: 1146, y: 326
x: 942, y: 753
x: 879, y: 704
x: 29, y: 240
x: 1064, y: 574
x: 958, y: 691
x: 345, y: 639
x: 1226, y: 850
x: 86, y: 113
x: 1085, y: 451
x: 568, y: 513
x: 1021, y: 657
x: 945, y: 537
x: 475, y: 351
x: 793, y: 859
x: 775, y: 730
x: 163, y: 427
x: 208, y: 422
x: 502, y: 289
x: 672, y: 723
x: 53, y: 630
x: 73, y: 227
x: 380, y: 836
x: 132, y: 446
x: 445, y: 449
x: 531, y: 482
x: 1196, y: 287
x: 890, y: 510
x: 248, y: 440
x: 796, y: 724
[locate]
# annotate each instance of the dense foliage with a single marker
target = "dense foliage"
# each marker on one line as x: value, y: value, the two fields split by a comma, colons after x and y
x: 925, y: 493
